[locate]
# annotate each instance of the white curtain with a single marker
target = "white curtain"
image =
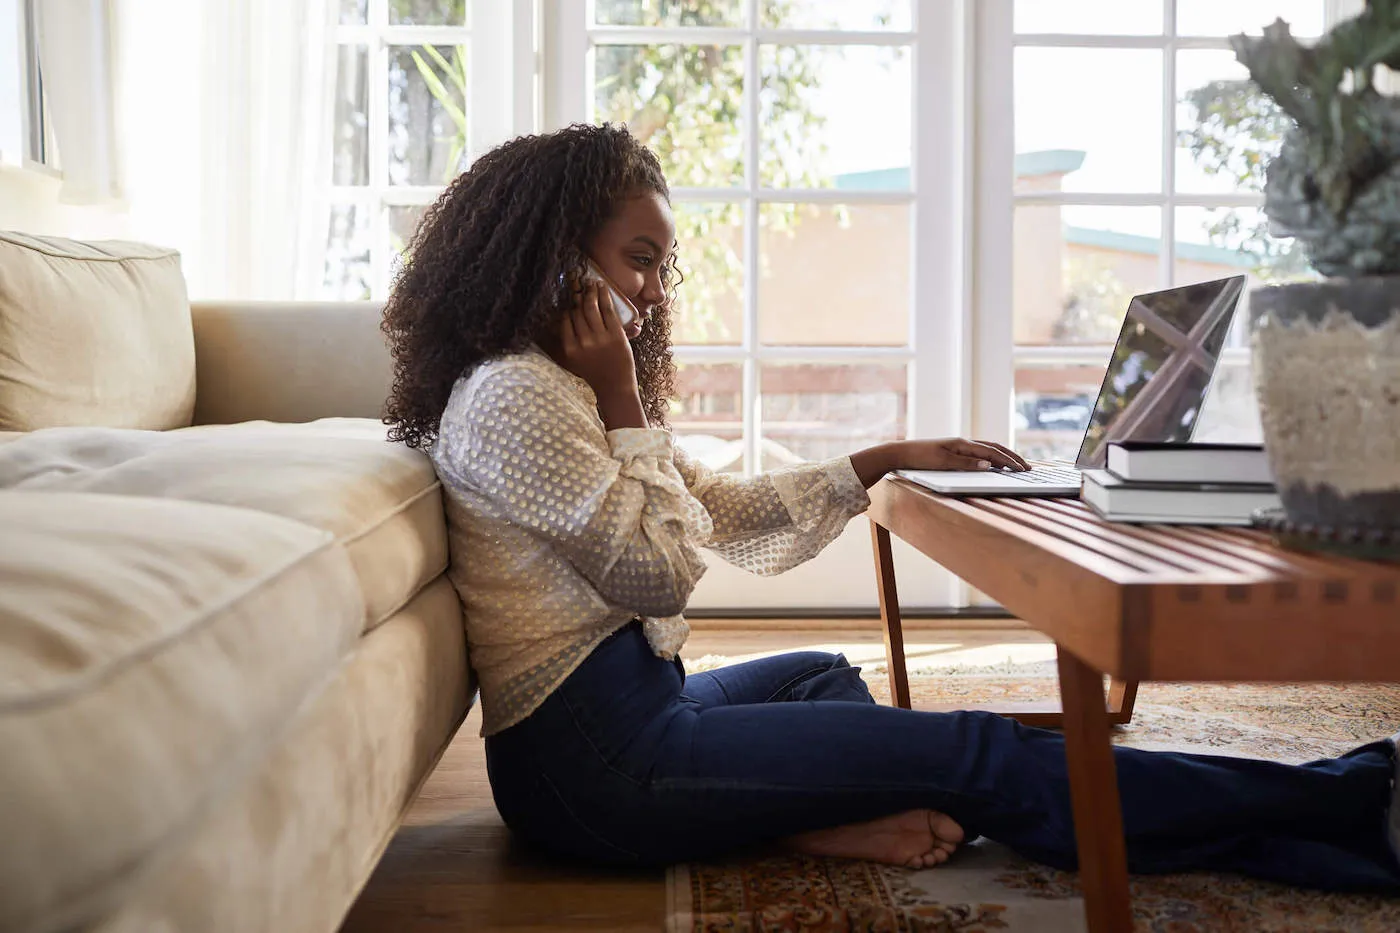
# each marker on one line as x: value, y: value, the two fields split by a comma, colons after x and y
x: 75, y: 55
x: 210, y: 122
x: 266, y: 144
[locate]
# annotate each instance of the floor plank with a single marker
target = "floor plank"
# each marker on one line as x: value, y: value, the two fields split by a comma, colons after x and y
x: 454, y: 866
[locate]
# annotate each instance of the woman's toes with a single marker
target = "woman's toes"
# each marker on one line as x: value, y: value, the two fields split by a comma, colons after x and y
x: 945, y: 829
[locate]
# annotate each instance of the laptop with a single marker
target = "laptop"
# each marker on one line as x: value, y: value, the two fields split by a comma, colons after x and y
x: 1157, y: 380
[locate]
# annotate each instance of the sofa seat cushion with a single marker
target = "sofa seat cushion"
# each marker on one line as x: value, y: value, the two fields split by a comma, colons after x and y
x: 93, y: 334
x: 382, y: 501
x: 150, y: 653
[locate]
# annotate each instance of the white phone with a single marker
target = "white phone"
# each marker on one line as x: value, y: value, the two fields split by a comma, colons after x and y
x: 626, y: 312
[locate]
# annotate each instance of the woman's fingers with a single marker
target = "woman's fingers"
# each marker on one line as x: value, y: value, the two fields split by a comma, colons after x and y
x: 1016, y: 458
x: 568, y: 333
x: 958, y: 461
x: 592, y: 316
x: 997, y: 457
x: 612, y: 316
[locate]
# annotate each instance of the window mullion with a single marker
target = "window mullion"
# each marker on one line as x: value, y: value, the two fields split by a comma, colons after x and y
x: 380, y: 259
x: 1167, y: 261
x: 751, y: 381
x: 993, y: 373
x: 566, y: 48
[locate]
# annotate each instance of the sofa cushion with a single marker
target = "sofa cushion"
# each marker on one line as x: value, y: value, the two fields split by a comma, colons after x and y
x: 151, y: 651
x: 326, y: 803
x: 93, y: 334
x: 381, y: 500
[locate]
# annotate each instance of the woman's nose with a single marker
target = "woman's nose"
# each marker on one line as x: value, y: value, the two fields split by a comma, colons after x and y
x: 652, y: 292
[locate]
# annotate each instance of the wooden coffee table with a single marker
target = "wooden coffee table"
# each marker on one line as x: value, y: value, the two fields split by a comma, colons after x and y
x: 1171, y: 603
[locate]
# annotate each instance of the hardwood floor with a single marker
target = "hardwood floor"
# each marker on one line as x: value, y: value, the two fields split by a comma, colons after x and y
x: 453, y: 865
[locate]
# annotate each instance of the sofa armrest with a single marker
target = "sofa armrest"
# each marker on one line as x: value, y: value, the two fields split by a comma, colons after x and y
x: 288, y: 361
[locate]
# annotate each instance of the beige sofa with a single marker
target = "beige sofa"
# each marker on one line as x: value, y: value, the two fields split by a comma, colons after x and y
x: 228, y: 653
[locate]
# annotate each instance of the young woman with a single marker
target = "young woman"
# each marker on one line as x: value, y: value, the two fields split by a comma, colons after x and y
x: 576, y: 525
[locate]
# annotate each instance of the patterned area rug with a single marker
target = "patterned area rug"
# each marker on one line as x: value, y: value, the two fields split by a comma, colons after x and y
x: 988, y: 888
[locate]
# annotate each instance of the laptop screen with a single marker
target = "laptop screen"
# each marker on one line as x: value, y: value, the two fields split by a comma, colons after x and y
x: 1161, y: 367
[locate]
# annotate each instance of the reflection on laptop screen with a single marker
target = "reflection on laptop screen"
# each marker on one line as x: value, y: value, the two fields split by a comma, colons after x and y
x: 1161, y: 367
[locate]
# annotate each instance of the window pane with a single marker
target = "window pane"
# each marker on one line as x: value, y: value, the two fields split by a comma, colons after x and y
x: 681, y: 100
x: 1212, y: 243
x: 353, y: 12
x: 348, y: 274
x: 835, y: 116
x: 1076, y: 268
x: 710, y: 301
x: 816, y: 411
x: 403, y: 223
x: 834, y: 275
x: 707, y: 414
x: 1102, y: 105
x: 1090, y: 17
x: 1053, y: 404
x: 1213, y: 18
x: 1230, y: 414
x: 427, y: 114
x: 1227, y: 129
x: 427, y: 12
x: 668, y: 13
x: 836, y: 14
x: 351, y: 159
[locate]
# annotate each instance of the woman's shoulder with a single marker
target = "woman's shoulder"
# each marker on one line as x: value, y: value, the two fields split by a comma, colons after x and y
x: 530, y: 367
x: 526, y: 378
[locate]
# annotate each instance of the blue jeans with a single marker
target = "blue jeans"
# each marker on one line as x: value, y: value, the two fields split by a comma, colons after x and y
x: 632, y: 762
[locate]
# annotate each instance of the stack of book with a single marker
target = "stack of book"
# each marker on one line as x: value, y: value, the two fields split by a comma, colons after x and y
x: 1183, y: 484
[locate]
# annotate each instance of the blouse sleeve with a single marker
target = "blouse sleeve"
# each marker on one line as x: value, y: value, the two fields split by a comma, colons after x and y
x: 619, y: 511
x: 772, y: 522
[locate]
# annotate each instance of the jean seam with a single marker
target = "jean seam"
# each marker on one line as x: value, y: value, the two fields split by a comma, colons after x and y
x: 573, y: 715
x: 801, y: 678
x: 580, y: 821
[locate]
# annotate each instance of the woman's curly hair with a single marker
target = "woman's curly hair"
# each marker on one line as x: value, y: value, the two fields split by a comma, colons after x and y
x: 485, y: 273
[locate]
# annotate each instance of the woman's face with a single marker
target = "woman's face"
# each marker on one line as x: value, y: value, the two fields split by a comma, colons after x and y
x: 632, y: 248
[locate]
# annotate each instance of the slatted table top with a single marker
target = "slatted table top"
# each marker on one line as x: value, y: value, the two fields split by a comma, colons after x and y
x: 1160, y: 602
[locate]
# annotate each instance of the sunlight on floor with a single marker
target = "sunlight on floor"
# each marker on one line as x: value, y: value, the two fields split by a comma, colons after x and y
x: 919, y: 655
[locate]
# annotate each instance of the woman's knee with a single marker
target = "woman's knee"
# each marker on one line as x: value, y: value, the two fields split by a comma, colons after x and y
x: 835, y: 679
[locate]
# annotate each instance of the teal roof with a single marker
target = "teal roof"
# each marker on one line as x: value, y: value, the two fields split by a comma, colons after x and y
x: 1028, y: 164
x: 1062, y: 162
x: 881, y: 179
x: 1152, y: 246
x: 1048, y: 162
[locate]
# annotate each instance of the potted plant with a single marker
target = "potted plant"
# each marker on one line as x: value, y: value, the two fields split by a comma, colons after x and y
x: 1327, y: 353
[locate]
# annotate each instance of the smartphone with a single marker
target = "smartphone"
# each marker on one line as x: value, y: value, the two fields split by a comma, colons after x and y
x: 626, y: 312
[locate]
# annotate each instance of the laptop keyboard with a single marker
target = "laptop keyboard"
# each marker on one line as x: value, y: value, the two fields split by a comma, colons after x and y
x: 1057, y: 476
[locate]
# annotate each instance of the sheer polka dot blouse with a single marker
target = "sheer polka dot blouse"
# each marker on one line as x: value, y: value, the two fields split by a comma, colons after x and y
x: 561, y: 532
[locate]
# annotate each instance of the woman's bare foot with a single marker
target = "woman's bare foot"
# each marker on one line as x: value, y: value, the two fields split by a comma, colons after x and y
x: 913, y: 839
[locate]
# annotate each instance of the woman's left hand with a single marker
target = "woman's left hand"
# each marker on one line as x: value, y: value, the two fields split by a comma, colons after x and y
x: 950, y: 453
x: 955, y: 453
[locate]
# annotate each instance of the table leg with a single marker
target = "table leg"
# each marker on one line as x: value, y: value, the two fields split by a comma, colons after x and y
x: 889, y: 617
x: 1121, y: 695
x: 1093, y: 781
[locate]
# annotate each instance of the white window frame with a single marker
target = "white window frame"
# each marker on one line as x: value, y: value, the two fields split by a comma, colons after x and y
x: 502, y: 102
x: 996, y: 354
x: 938, y: 353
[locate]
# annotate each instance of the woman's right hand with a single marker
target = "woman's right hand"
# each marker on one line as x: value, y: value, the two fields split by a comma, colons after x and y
x: 595, y: 348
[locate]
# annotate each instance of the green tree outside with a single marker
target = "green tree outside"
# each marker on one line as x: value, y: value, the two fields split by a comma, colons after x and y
x: 1236, y: 133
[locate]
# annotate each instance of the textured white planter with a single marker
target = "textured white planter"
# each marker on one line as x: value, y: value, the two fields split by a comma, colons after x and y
x: 1327, y: 374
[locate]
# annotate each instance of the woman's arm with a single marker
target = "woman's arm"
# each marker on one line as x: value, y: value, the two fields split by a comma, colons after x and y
x: 613, y: 505
x: 872, y: 463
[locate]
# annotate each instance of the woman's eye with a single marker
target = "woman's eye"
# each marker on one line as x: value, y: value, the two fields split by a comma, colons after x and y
x: 643, y: 261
